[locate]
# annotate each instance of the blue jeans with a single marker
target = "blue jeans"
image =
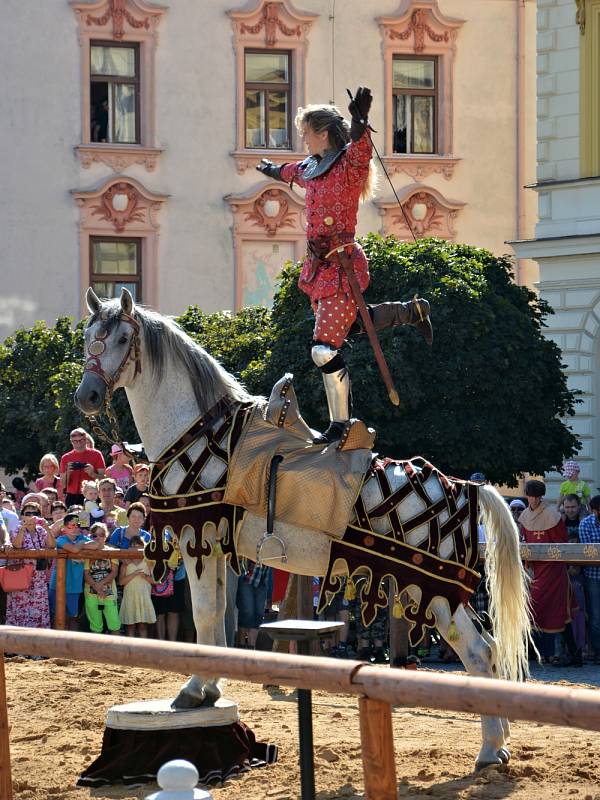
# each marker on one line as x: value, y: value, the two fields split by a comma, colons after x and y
x: 592, y: 604
x: 251, y: 604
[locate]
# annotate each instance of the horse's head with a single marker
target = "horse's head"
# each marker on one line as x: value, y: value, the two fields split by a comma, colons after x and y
x: 112, y: 350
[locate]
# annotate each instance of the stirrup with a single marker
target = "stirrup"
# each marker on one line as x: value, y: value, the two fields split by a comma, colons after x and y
x: 268, y: 535
x: 332, y: 434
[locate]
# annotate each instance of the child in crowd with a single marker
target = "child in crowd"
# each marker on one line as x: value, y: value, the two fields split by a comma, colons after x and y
x: 119, y: 470
x: 72, y: 540
x: 141, y: 473
x: 573, y: 485
x: 58, y: 510
x: 137, y: 611
x: 100, y: 589
x: 93, y: 512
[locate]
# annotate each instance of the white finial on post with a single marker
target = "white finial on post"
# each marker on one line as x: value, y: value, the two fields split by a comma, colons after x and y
x: 178, y: 780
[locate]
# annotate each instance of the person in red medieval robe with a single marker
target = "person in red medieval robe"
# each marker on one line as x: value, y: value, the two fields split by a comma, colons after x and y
x: 552, y: 599
x: 337, y: 174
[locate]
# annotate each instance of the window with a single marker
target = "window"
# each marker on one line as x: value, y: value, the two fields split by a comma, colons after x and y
x: 267, y: 99
x: 414, y: 112
x: 114, y: 93
x: 115, y: 263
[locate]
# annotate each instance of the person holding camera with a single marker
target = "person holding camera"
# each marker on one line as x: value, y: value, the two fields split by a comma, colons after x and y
x: 80, y: 464
x: 30, y: 607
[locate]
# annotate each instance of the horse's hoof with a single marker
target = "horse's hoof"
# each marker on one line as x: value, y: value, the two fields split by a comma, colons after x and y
x: 479, y: 765
x: 184, y: 700
x: 504, y: 755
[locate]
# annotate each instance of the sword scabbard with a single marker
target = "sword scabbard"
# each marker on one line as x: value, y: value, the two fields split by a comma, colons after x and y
x: 346, y: 264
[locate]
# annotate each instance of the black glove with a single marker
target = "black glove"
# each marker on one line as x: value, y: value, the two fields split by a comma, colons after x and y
x: 359, y: 108
x: 270, y: 169
x: 361, y: 104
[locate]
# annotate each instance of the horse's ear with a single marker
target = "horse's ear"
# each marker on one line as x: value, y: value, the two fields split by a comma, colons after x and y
x: 126, y: 301
x: 92, y: 300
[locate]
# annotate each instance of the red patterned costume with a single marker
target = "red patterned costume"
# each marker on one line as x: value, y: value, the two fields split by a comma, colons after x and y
x: 331, y: 211
x: 335, y: 176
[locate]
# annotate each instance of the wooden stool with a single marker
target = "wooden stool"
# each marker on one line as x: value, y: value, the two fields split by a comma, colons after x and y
x: 302, y: 632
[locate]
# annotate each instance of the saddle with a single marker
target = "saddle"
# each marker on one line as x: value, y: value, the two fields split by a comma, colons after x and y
x: 316, y: 486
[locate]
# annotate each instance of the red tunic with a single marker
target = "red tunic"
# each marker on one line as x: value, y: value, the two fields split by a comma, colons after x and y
x: 552, y: 600
x: 331, y: 210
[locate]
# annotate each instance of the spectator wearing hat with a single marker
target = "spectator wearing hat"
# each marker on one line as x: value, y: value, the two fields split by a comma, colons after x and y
x: 552, y: 599
x: 78, y: 465
x: 517, y: 506
x: 589, y: 533
x: 141, y: 474
x: 119, y: 470
x: 573, y: 485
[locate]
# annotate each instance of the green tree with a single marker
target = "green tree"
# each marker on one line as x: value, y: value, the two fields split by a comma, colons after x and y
x: 35, y: 367
x: 488, y: 396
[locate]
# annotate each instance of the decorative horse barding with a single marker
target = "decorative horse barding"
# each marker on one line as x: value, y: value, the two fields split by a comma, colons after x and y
x: 175, y: 388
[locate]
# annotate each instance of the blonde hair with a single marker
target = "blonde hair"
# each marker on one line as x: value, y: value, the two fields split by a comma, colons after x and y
x: 328, y: 118
x: 88, y: 484
x: 51, y: 458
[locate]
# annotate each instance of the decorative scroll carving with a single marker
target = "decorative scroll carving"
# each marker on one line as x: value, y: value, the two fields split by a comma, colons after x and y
x: 580, y: 15
x: 119, y: 12
x: 419, y: 167
x: 118, y: 204
x: 418, y: 26
x: 428, y: 211
x: 271, y: 200
x: 591, y: 551
x: 118, y: 158
x: 270, y: 22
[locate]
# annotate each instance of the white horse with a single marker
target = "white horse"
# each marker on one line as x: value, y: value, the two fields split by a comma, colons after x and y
x: 170, y: 381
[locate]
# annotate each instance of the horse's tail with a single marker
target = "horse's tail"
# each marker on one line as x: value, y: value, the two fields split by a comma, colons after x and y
x: 507, y: 585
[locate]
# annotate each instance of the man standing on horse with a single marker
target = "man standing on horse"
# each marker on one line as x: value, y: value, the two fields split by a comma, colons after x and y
x: 337, y: 174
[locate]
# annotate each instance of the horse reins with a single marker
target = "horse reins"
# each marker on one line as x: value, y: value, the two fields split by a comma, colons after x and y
x: 92, y: 364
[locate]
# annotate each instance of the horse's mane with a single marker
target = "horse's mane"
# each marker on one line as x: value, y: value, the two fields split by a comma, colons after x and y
x: 166, y: 342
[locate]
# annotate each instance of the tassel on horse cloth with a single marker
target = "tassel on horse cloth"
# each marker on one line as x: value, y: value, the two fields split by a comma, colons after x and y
x: 217, y: 550
x: 453, y: 634
x: 350, y: 590
x: 397, y: 608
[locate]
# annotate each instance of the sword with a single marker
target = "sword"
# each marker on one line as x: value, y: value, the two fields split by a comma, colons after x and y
x: 346, y: 263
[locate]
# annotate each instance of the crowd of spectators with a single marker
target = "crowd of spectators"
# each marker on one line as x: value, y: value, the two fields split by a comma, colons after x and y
x: 78, y: 505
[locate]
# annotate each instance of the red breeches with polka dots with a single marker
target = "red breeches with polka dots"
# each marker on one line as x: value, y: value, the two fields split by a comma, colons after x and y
x: 333, y: 319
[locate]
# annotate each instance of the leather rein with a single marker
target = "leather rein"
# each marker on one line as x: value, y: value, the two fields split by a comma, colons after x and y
x: 92, y: 364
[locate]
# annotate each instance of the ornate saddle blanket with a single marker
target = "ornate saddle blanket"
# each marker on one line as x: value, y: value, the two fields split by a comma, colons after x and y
x: 316, y: 487
x: 417, y: 527
x: 201, y: 454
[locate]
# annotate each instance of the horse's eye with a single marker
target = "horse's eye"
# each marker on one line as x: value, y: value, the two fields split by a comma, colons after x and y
x: 123, y: 340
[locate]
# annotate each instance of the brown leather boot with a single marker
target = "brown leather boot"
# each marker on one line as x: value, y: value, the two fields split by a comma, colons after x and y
x: 389, y: 315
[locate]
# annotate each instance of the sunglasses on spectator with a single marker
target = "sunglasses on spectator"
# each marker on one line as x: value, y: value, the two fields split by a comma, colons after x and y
x: 72, y: 525
x: 30, y: 513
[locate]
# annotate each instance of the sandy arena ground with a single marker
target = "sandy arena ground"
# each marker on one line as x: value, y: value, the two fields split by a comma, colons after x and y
x: 57, y: 710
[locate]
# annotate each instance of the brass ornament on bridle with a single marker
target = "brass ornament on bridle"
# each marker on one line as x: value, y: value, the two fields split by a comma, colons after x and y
x: 92, y: 364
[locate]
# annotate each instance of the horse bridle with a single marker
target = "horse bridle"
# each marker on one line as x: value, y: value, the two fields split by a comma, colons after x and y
x: 92, y: 364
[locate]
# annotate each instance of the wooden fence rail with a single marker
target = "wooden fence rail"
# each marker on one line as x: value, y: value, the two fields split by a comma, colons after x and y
x: 581, y: 554
x: 555, y: 705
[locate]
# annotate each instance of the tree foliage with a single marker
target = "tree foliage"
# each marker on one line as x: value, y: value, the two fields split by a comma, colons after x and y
x: 488, y: 396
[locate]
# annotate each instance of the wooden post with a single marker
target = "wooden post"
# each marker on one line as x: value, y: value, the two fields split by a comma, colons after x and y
x: 305, y: 597
x: 60, y: 616
x: 6, y: 792
x: 377, y: 742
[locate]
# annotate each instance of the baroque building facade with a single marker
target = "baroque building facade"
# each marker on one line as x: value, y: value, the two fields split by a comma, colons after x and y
x: 566, y: 245
x: 132, y: 129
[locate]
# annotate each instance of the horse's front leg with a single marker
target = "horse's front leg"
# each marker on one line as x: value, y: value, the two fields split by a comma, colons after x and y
x: 477, y: 653
x: 203, y: 690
